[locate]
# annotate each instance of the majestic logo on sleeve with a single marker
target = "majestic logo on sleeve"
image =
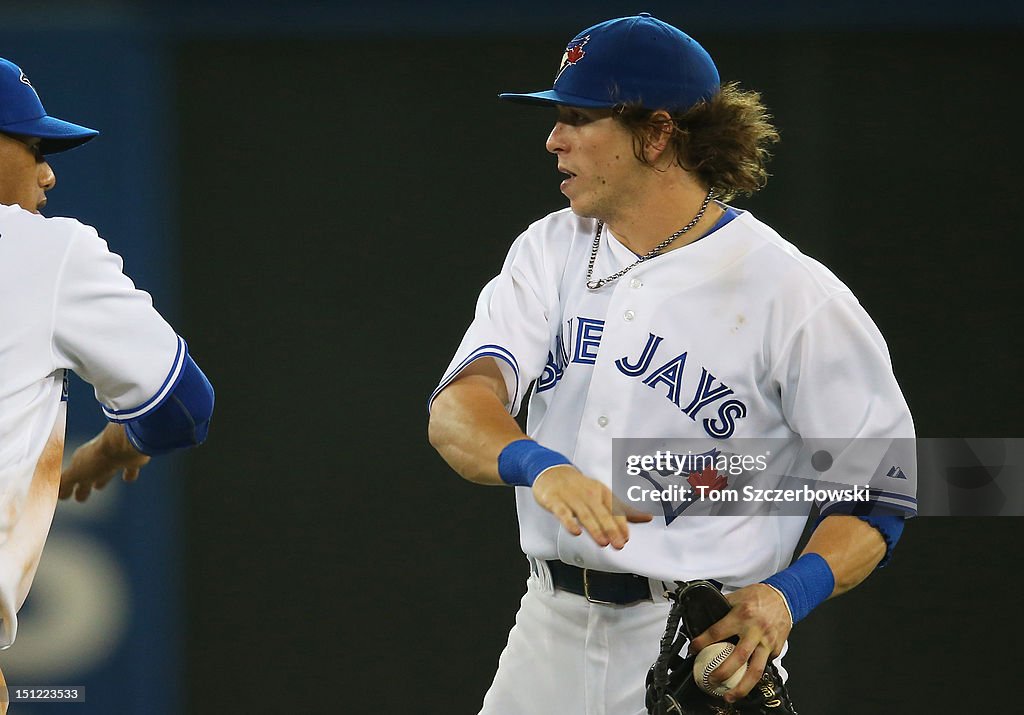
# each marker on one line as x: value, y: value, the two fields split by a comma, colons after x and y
x: 896, y: 473
x: 702, y: 399
x: 573, y: 54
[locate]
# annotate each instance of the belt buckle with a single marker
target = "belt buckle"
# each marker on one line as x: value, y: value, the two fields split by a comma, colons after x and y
x: 586, y: 591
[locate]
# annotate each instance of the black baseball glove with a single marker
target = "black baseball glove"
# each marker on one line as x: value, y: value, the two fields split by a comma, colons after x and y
x: 671, y: 689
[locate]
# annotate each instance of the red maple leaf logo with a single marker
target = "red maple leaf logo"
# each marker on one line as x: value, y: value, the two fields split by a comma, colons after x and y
x: 573, y: 54
x: 710, y: 479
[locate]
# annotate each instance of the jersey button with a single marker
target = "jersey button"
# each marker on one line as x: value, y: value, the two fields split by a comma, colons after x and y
x: 636, y: 283
x: 602, y: 421
x: 629, y: 315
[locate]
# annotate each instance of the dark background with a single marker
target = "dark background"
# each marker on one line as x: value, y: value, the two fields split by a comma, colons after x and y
x: 336, y: 237
x: 315, y: 191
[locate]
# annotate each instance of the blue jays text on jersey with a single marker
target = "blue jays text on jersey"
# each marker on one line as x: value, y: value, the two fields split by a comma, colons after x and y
x: 580, y: 339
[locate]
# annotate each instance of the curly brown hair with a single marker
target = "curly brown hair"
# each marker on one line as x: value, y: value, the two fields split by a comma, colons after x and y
x: 723, y: 140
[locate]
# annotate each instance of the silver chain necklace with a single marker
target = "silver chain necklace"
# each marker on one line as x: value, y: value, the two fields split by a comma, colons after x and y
x: 594, y: 285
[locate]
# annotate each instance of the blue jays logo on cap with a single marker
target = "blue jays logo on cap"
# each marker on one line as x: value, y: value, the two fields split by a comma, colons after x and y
x: 637, y: 59
x: 574, y: 52
x: 22, y: 113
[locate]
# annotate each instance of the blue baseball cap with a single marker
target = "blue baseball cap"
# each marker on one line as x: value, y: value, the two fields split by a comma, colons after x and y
x: 21, y: 112
x: 630, y: 59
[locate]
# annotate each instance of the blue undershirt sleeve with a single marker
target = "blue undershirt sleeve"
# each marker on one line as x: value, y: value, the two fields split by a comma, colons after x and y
x: 888, y: 521
x: 890, y: 526
x: 181, y: 421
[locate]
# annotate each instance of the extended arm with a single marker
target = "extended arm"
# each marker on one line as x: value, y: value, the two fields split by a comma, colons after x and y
x: 180, y: 421
x: 108, y: 332
x: 471, y: 429
x: 97, y: 461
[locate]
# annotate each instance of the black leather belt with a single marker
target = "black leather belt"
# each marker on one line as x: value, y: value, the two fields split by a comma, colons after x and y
x: 600, y: 586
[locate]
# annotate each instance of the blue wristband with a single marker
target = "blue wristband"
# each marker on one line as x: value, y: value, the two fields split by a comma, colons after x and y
x: 521, y: 462
x: 804, y: 585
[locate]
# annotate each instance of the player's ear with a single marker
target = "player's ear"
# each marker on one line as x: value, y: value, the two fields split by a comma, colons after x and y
x: 657, y: 138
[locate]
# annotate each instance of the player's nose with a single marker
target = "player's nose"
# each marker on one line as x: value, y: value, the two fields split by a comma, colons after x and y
x: 556, y: 139
x: 47, y: 179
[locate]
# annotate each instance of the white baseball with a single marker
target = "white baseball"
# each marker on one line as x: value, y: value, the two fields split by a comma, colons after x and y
x: 710, y: 658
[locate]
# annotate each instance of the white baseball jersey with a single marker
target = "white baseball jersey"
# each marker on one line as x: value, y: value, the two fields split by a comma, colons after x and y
x: 64, y: 305
x: 735, y: 335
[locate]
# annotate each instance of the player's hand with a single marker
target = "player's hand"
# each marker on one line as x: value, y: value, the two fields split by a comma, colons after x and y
x: 98, y: 461
x: 582, y: 503
x: 760, y: 618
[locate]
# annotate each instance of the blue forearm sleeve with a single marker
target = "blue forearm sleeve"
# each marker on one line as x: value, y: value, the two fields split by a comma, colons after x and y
x: 182, y: 419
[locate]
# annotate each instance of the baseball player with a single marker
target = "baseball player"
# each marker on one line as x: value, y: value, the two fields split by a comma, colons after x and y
x: 66, y: 305
x: 650, y: 307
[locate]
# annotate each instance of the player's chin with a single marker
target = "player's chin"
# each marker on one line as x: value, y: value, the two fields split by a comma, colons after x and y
x: 581, y: 208
x: 583, y: 211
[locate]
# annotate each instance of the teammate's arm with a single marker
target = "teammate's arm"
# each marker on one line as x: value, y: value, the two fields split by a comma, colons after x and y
x: 97, y: 462
x: 470, y: 428
x: 180, y: 420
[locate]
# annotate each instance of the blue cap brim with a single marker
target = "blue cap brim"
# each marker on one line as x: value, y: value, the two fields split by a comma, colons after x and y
x: 56, y: 134
x: 554, y: 97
